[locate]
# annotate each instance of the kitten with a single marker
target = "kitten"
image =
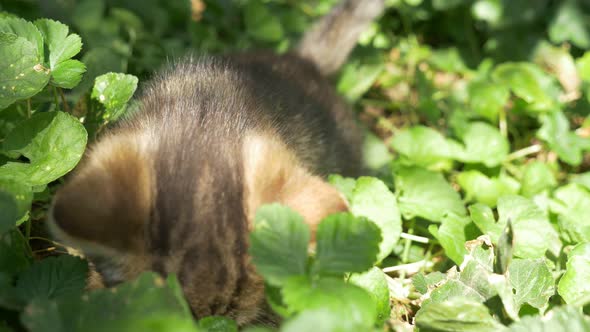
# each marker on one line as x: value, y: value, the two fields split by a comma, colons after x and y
x: 174, y: 187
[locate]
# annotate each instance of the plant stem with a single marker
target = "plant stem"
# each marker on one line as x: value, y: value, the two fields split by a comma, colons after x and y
x: 56, y: 98
x: 535, y: 148
x: 63, y: 100
x: 407, y: 245
x: 29, y: 108
x: 415, y: 238
x: 503, y: 123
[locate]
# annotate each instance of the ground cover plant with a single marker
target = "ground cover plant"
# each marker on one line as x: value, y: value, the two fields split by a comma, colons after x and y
x: 474, y: 216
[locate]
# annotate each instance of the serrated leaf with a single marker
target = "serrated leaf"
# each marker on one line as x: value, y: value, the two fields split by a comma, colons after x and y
x: 373, y: 281
x: 521, y: 79
x: 13, y: 252
x: 573, y: 286
x: 532, y: 282
x: 487, y: 99
x: 352, y: 303
x: 61, y: 45
x: 423, y: 146
x: 68, y: 74
x: 145, y: 304
x: 15, y: 201
x: 537, y: 177
x: 261, y: 23
x: 51, y: 278
x: 372, y: 199
x: 278, y: 243
x: 425, y: 194
x: 572, y: 210
x: 485, y: 190
x: 53, y: 142
x: 483, y: 144
x: 114, y: 90
x: 24, y: 29
x: 457, y: 314
x: 346, y: 244
x: 21, y: 70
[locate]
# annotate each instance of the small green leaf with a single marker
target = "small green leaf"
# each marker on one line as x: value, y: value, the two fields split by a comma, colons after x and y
x: 9, y: 208
x: 346, y: 244
x: 572, y: 203
x: 15, y: 201
x: 569, y: 25
x: 532, y: 282
x: 278, y: 243
x: 521, y: 79
x: 485, y: 190
x: 556, y: 132
x: 537, y: 177
x: 24, y: 29
x: 452, y: 235
x: 374, y: 282
x: 457, y: 314
x: 423, y: 283
x: 261, y: 23
x: 565, y: 318
x: 22, y: 74
x: 372, y: 199
x: 217, y: 324
x: 13, y: 252
x: 504, y: 249
x: 344, y: 185
x: 114, y: 90
x: 68, y: 74
x: 53, y: 142
x: 483, y: 144
x: 423, y: 146
x: 425, y: 194
x: 487, y: 99
x: 352, y: 303
x: 573, y: 286
x: 357, y: 77
x: 483, y: 217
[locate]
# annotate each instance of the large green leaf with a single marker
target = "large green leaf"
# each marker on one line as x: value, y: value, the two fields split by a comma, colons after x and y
x: 217, y: 324
x: 532, y: 282
x: 566, y: 318
x: 487, y: 99
x: 321, y: 320
x: 9, y: 208
x: 13, y: 253
x: 425, y: 147
x: 145, y: 304
x: 22, y: 196
x: 61, y: 45
x: 53, y: 142
x: 571, y: 204
x: 22, y: 74
x: 556, y: 132
x: 483, y: 144
x: 24, y: 29
x: 485, y: 190
x: 114, y: 90
x: 425, y: 194
x: 521, y: 79
x: 278, y: 243
x: 457, y: 314
x: 537, y: 177
x: 346, y: 244
x: 452, y: 234
x: 374, y: 282
x: 372, y: 199
x: 573, y: 286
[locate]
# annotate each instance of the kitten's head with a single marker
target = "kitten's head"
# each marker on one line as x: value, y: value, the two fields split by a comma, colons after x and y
x: 130, y: 208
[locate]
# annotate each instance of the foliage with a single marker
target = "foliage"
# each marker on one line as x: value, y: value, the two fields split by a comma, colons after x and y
x: 475, y: 216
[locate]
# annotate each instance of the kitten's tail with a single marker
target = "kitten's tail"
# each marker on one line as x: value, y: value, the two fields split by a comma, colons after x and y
x: 331, y: 39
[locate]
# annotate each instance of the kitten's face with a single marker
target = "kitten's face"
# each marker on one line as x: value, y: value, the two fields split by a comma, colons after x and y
x: 128, y: 214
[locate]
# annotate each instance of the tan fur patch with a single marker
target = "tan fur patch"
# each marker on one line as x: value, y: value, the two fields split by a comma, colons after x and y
x: 274, y: 174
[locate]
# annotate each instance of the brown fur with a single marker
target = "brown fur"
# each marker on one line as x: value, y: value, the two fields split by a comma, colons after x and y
x: 174, y: 187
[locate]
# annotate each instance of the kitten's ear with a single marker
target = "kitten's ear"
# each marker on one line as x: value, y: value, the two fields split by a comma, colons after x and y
x: 106, y: 204
x: 274, y: 174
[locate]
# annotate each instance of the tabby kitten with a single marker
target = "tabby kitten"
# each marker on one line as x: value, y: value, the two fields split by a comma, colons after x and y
x: 174, y: 187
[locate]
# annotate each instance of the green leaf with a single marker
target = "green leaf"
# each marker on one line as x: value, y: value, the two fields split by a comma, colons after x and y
x: 483, y: 189
x: 483, y: 144
x: 145, y: 304
x: 457, y: 314
x: 9, y: 208
x: 322, y: 320
x: 425, y: 194
x: 51, y: 278
x: 537, y: 178
x: 114, y: 90
x: 582, y: 179
x: 423, y: 283
x: 24, y: 29
x: 53, y: 142
x: 452, y: 235
x: 565, y: 318
x: 13, y: 252
x: 68, y: 74
x: 556, y: 132
x: 533, y: 234
x: 346, y: 244
x: 374, y: 282
x: 372, y: 199
x: 423, y: 146
x: 532, y: 282
x: 15, y: 202
x: 572, y: 203
x: 483, y: 217
x: 487, y: 99
x: 217, y: 324
x: 357, y: 77
x: 352, y: 303
x: 344, y: 185
x: 569, y: 25
x: 278, y: 243
x: 21, y: 69
x: 61, y: 45
x: 261, y: 24
x: 521, y: 79
x: 573, y: 286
